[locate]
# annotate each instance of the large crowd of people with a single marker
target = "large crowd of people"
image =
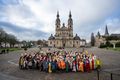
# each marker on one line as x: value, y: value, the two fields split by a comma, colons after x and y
x: 66, y: 61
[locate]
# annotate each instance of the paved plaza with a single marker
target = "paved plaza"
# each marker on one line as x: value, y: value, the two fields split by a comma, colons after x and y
x: 9, y: 69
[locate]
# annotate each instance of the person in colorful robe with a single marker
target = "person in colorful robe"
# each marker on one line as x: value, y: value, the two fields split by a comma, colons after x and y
x: 70, y: 62
x: 90, y: 60
x: 50, y: 66
x: 81, y: 66
x: 87, y: 65
x: 77, y: 62
x: 67, y: 66
x: 29, y: 61
x: 21, y: 62
x: 74, y: 66
x: 84, y: 62
x: 54, y: 65
x: 93, y: 62
x: 45, y: 65
x: 98, y: 63
x: 58, y: 63
x: 62, y: 64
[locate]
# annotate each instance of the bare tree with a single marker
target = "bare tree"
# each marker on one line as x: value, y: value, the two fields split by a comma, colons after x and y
x: 7, y: 38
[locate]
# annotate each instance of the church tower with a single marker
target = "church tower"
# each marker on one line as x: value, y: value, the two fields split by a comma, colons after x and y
x: 70, y: 25
x: 63, y: 36
x: 106, y: 31
x: 70, y: 21
x: 57, y: 22
x: 98, y: 35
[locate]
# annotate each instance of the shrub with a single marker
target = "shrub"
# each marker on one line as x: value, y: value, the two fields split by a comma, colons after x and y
x: 102, y: 45
x: 118, y: 44
x: 25, y: 48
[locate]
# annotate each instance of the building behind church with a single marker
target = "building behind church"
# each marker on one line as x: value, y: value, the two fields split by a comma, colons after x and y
x: 101, y: 39
x: 64, y: 35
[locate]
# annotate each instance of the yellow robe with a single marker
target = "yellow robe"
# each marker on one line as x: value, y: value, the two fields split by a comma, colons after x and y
x: 49, y: 68
x: 81, y: 66
x: 98, y: 63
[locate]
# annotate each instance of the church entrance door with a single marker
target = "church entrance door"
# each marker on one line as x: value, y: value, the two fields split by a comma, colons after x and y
x: 63, y: 44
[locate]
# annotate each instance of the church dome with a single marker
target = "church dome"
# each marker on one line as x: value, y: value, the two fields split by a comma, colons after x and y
x: 51, y: 37
x: 63, y: 27
x: 76, y: 37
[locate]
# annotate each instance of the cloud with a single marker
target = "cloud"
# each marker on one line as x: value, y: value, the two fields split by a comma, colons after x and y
x: 88, y: 15
x: 112, y: 24
x: 22, y: 33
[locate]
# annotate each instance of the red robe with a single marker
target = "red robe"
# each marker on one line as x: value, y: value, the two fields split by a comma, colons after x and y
x: 87, y: 65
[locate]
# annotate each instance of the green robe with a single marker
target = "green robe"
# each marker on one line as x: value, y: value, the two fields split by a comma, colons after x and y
x: 67, y: 66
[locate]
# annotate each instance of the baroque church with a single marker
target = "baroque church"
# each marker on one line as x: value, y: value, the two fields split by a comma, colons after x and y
x: 101, y: 39
x: 64, y: 35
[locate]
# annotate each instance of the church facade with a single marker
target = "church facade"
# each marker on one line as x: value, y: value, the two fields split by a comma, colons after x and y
x: 64, y: 35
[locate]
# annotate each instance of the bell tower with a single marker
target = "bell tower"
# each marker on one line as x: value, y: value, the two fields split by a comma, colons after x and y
x: 106, y: 31
x: 70, y: 21
x: 57, y: 22
x: 70, y: 25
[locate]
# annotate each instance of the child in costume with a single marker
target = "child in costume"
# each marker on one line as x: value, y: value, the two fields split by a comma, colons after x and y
x: 53, y: 64
x: 95, y: 65
x: 98, y: 63
x: 67, y: 65
x: 50, y: 66
x: 45, y: 65
x: 21, y: 62
x: 92, y: 61
x: 81, y: 66
x: 74, y: 66
x: 62, y: 64
x: 87, y: 65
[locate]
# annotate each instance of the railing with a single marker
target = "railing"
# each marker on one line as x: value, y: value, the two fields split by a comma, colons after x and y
x: 108, y: 75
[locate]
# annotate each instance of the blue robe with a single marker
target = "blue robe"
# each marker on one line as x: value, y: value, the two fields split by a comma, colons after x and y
x: 45, y: 65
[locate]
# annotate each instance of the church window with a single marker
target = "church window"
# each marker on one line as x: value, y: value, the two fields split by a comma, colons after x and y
x: 77, y: 42
x: 51, y: 42
x: 69, y: 35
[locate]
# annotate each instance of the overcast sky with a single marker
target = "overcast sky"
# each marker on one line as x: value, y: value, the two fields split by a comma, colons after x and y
x: 35, y: 19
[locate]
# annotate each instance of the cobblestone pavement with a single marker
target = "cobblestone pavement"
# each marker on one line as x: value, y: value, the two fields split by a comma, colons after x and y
x: 9, y: 69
